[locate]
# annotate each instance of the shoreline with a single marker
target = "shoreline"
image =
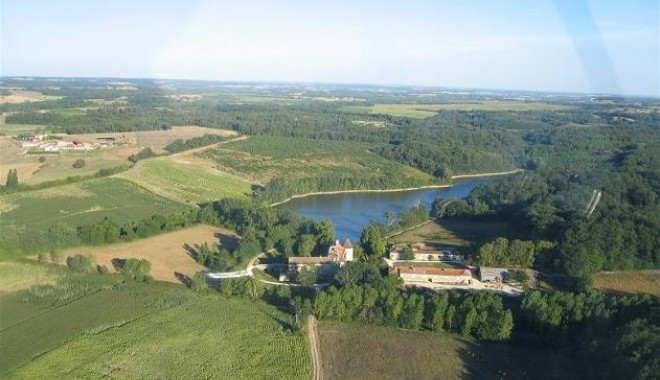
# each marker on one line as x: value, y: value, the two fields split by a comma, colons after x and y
x: 460, y: 176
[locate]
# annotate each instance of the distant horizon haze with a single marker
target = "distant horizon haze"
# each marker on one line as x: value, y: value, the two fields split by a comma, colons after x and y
x: 605, y: 47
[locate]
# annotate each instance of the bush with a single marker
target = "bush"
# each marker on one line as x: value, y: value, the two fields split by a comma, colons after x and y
x: 57, y: 257
x: 79, y: 263
x: 137, y: 269
x: 42, y: 159
x: 43, y: 258
x: 79, y: 163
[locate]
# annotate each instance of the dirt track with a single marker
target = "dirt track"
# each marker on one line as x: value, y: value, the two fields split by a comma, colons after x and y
x: 315, y: 344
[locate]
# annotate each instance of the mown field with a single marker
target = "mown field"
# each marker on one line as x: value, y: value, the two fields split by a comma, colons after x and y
x: 453, y: 232
x: 262, y: 158
x: 187, y: 183
x: 167, y: 252
x: 629, y: 282
x: 428, y: 110
x: 351, y: 351
x: 19, y: 95
x: 96, y: 326
x: 27, y: 213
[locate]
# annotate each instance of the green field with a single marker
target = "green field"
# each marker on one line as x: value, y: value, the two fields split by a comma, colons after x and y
x: 262, y: 158
x: 25, y: 214
x: 93, y: 326
x: 428, y: 110
x: 351, y: 351
x: 187, y: 183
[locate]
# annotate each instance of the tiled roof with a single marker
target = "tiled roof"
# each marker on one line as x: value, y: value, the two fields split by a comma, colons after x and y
x: 433, y: 271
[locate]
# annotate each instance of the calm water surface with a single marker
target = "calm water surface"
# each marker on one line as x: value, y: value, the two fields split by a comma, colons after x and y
x: 350, y: 212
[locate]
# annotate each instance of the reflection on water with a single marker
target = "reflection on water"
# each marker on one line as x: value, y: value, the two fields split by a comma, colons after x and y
x: 350, y: 212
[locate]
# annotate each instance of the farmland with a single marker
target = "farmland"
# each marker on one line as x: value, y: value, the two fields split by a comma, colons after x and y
x: 185, y: 182
x: 59, y: 165
x: 352, y: 351
x: 428, y: 110
x: 135, y: 330
x: 166, y: 252
x: 629, y: 282
x: 18, y: 95
x: 453, y: 232
x: 25, y: 214
x: 262, y: 158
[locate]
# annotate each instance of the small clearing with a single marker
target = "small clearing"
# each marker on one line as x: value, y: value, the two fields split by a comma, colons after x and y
x: 629, y: 282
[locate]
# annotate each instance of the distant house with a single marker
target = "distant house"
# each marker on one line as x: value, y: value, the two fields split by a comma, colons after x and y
x: 411, y: 273
x: 424, y: 253
x: 338, y: 254
x: 492, y: 274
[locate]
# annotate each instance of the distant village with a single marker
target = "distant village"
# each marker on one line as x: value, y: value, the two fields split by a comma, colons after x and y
x: 48, y: 143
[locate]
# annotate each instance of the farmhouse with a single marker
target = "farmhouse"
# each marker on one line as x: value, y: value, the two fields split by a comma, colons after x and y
x: 411, y: 273
x: 338, y: 254
x: 423, y: 253
x: 492, y: 274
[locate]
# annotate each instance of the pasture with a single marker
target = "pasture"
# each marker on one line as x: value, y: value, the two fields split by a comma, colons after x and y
x: 137, y: 331
x: 28, y: 213
x: 363, y: 352
x: 454, y: 232
x: 185, y: 182
x: 427, y: 110
x: 629, y: 282
x: 166, y: 252
x: 262, y: 158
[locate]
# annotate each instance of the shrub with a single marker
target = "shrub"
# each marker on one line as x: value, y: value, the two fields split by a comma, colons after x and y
x: 42, y: 159
x: 79, y: 163
x: 79, y: 263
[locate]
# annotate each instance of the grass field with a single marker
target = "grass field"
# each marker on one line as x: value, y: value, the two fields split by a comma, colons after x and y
x: 78, y: 204
x: 352, y: 351
x: 17, y: 276
x: 262, y: 158
x: 428, y: 110
x: 166, y: 252
x: 453, y: 232
x: 187, y: 183
x: 108, y: 329
x: 629, y: 282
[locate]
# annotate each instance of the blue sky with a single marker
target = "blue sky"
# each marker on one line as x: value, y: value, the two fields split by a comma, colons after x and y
x: 605, y: 46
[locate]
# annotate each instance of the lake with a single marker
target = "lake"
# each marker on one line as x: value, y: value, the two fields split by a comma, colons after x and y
x: 350, y: 212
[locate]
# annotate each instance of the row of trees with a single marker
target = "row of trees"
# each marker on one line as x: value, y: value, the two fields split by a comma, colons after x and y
x: 180, y: 145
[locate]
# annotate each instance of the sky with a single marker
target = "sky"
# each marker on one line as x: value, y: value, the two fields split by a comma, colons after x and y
x: 599, y: 46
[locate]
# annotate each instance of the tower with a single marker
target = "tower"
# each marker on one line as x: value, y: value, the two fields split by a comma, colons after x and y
x: 348, y: 250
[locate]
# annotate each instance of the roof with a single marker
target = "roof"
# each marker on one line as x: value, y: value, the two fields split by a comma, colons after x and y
x: 431, y: 271
x: 491, y: 273
x: 348, y: 244
x: 310, y: 260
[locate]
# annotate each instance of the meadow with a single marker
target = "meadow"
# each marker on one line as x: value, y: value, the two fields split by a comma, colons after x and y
x: 262, y: 158
x: 185, y: 182
x: 28, y: 213
x: 427, y: 110
x: 362, y: 352
x: 454, y: 232
x: 629, y: 282
x: 132, y: 330
x: 166, y: 252
x: 18, y: 95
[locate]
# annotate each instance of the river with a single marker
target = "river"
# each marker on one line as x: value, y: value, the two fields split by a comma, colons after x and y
x: 350, y: 212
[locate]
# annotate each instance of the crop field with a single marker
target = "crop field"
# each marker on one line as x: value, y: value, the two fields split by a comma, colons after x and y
x: 629, y: 282
x: 78, y: 204
x: 166, y: 252
x: 22, y: 96
x: 185, y: 182
x: 351, y: 351
x: 428, y: 110
x: 17, y: 276
x: 262, y: 158
x: 453, y: 232
x: 139, y: 331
